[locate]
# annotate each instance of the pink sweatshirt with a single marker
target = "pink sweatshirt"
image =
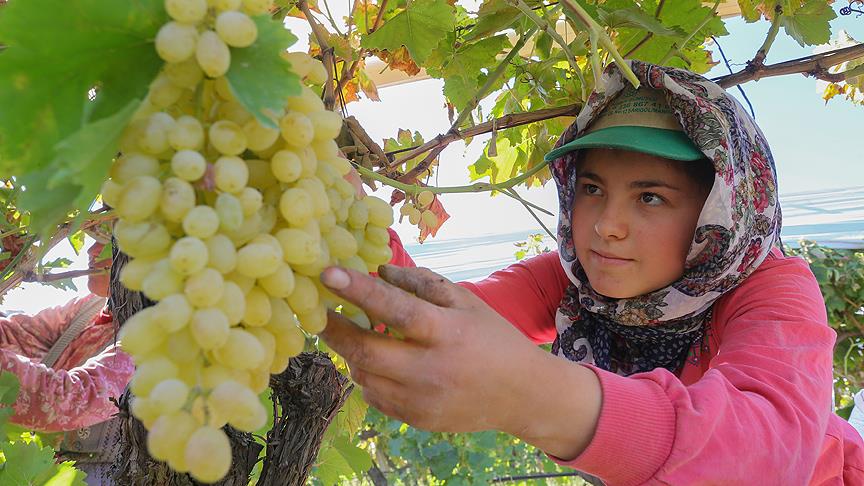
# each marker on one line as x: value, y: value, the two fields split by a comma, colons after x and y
x: 751, y: 407
x: 74, y: 393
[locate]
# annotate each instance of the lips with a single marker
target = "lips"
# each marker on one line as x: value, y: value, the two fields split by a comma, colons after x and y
x: 609, y: 258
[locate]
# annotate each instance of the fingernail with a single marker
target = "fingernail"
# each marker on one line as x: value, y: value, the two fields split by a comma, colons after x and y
x: 335, y: 278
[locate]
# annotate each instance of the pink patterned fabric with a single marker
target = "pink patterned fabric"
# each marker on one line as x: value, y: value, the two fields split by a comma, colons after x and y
x: 77, y: 391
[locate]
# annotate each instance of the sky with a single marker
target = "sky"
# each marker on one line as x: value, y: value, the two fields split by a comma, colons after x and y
x: 817, y: 147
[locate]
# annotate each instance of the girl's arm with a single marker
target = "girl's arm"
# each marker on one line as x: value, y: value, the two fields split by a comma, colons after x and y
x: 54, y: 400
x: 33, y: 336
x: 761, y: 410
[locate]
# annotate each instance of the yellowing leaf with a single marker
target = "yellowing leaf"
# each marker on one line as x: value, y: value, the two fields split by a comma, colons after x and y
x: 419, y: 28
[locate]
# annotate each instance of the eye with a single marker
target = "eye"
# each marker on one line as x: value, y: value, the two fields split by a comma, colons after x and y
x: 651, y: 199
x: 591, y: 189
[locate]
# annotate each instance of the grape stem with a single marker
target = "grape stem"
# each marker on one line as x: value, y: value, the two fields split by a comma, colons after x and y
x: 599, y: 36
x: 476, y: 187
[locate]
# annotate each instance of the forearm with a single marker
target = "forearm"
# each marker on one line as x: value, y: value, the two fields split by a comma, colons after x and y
x: 556, y: 405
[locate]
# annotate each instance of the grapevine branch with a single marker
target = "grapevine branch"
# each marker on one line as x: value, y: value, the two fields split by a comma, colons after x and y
x: 327, y: 56
x: 348, y: 72
x: 53, y: 277
x: 816, y: 66
x: 762, y: 53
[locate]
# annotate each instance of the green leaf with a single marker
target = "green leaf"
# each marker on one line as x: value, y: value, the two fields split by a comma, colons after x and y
x: 809, y: 24
x: 57, y: 51
x: 331, y: 466
x: 80, y: 164
x: 67, y: 475
x: 638, y: 18
x: 419, y: 28
x: 9, y: 386
x: 493, y: 16
x: 76, y: 239
x: 352, y: 414
x: 750, y: 10
x: 357, y: 458
x: 260, y: 77
x: 27, y: 464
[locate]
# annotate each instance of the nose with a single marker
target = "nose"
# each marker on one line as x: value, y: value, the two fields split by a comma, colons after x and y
x: 611, y: 223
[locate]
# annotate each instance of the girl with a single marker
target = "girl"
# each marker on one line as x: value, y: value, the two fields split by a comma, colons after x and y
x: 694, y: 351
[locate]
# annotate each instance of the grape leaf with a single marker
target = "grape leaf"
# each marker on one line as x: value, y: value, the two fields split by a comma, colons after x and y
x: 493, y: 16
x: 67, y: 475
x: 331, y: 465
x: 260, y: 77
x: 52, y: 61
x: 638, y: 18
x: 79, y: 166
x: 808, y: 24
x: 419, y: 28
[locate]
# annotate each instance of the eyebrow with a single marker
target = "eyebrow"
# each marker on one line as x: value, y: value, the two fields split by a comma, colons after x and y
x: 646, y: 184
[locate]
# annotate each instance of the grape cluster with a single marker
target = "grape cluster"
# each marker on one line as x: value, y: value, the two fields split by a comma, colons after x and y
x: 228, y: 223
x: 418, y: 212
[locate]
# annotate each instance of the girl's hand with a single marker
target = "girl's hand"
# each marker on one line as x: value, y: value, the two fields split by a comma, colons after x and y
x: 460, y: 366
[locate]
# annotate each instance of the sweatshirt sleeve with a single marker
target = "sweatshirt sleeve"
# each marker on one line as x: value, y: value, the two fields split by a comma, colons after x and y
x: 527, y: 294
x: 54, y: 400
x: 762, y: 406
x: 34, y: 335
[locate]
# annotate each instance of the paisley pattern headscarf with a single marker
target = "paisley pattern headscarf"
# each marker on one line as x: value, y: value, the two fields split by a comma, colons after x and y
x: 738, y: 226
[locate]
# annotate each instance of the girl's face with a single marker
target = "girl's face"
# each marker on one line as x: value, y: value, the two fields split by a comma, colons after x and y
x: 634, y: 216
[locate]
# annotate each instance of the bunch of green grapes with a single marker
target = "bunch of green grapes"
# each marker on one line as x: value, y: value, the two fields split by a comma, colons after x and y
x: 418, y: 212
x: 228, y: 224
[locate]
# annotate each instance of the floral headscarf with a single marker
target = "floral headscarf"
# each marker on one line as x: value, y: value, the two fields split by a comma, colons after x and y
x: 738, y: 226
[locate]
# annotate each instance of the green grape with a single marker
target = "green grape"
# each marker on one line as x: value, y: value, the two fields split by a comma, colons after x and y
x: 241, y: 351
x: 201, y: 222
x: 186, y: 134
x: 169, y: 396
x: 326, y: 124
x: 169, y: 435
x: 231, y: 173
x: 175, y: 42
x: 188, y: 255
x: 230, y: 212
x: 227, y: 137
x: 223, y: 5
x: 172, y: 313
x: 296, y: 206
x: 245, y: 283
x: 257, y: 260
x: 318, y: 74
x: 341, y: 243
x: 308, y: 101
x: 268, y: 342
x: 163, y: 93
x: 188, y: 165
x: 296, y: 129
x: 375, y: 255
x: 429, y: 218
x: 204, y: 289
x: 132, y: 165
x: 233, y: 302
x: 150, y: 372
x: 145, y: 412
x: 305, y: 296
x: 237, y: 403
x: 286, y: 165
x: 210, y: 328
x: 208, y: 454
x: 259, y: 137
x: 257, y: 7
x: 358, y: 214
x: 140, y: 198
x: 313, y: 321
x: 186, y: 11
x: 380, y: 213
x: 234, y: 112
x: 221, y: 254
x: 181, y: 347
x: 178, y: 198
x: 133, y: 273
x: 260, y: 176
x: 251, y: 200
x: 425, y: 198
x: 318, y: 193
x: 223, y: 89
x: 111, y: 192
x: 414, y: 216
x: 212, y: 54
x: 162, y: 281
x: 141, y: 334
x: 308, y: 161
x: 325, y: 149
x: 185, y: 74
x: 258, y: 310
x: 279, y: 283
x: 236, y: 29
x: 318, y: 266
x: 377, y: 236
x: 154, y: 137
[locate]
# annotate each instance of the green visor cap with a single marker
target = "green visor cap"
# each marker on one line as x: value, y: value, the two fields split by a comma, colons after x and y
x: 670, y: 144
x: 640, y: 120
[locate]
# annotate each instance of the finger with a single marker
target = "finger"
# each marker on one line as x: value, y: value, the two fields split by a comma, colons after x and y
x: 413, y: 317
x: 369, y: 351
x: 384, y: 394
x: 424, y: 283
